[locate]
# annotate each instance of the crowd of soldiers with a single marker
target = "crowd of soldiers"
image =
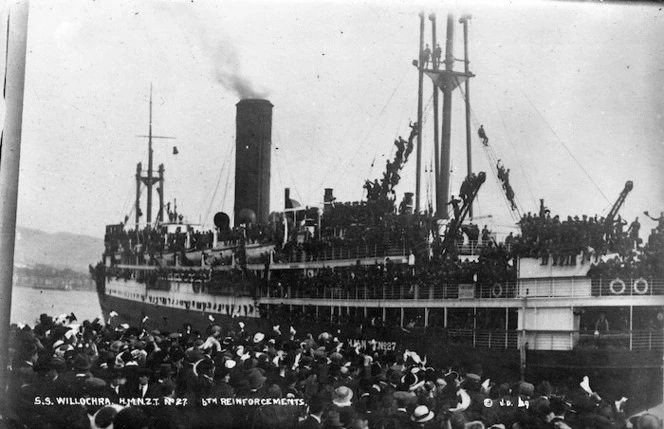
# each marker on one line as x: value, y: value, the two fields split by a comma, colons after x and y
x: 394, y: 281
x: 70, y: 375
x: 544, y: 234
x: 548, y: 237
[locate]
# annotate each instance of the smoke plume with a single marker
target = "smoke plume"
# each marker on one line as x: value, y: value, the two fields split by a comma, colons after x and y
x: 226, y: 69
x: 198, y: 29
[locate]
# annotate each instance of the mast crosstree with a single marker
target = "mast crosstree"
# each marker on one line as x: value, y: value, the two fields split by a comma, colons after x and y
x: 149, y: 180
x: 446, y: 80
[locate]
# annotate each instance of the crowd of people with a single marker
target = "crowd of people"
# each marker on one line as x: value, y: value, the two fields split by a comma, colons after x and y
x: 93, y: 375
x: 546, y: 237
x: 543, y: 235
x: 398, y: 281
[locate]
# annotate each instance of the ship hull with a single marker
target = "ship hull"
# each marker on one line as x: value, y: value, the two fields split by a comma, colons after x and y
x: 167, y: 319
x: 130, y: 302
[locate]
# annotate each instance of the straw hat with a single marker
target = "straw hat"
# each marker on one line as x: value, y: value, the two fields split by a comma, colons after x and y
x: 422, y: 414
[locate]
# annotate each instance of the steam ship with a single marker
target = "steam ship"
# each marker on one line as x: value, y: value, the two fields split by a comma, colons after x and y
x: 394, y: 276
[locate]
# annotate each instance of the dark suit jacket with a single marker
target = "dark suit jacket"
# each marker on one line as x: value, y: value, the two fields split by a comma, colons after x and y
x: 309, y: 423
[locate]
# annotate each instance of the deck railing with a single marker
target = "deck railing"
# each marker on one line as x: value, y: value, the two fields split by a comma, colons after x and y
x: 468, y: 248
x: 633, y: 286
x: 624, y: 340
x: 409, y: 291
x: 343, y: 252
x: 636, y: 340
x: 564, y: 287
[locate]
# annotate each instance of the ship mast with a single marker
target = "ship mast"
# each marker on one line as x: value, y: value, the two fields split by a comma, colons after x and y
x: 469, y: 155
x: 436, y: 137
x: 150, y: 180
x: 420, y: 68
x: 443, y: 193
x: 447, y: 80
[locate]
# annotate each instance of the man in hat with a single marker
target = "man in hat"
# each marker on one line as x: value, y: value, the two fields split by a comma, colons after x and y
x: 333, y: 421
x: 275, y: 416
x: 73, y: 381
x: 422, y: 417
x: 242, y: 369
x: 118, y: 383
x: 400, y: 418
x: 205, y: 384
x: 341, y: 403
x: 659, y: 220
x: 545, y: 390
x: 143, y: 383
x: 57, y: 366
x: 315, y: 417
x: 393, y: 380
x: 222, y: 375
x: 473, y: 388
x: 308, y: 377
x: 256, y: 381
x: 164, y: 374
x: 186, y: 379
x: 558, y: 410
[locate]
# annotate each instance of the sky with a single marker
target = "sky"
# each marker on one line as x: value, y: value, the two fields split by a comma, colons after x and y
x: 570, y: 95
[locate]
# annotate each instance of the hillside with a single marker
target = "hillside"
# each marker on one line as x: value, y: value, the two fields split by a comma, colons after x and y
x: 59, y: 250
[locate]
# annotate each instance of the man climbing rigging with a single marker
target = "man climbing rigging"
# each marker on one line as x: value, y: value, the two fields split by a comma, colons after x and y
x: 483, y: 136
x: 454, y: 202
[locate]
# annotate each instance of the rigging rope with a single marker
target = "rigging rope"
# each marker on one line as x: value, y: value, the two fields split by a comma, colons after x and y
x: 425, y: 114
x: 564, y: 146
x: 133, y: 207
x: 295, y: 184
x: 509, y: 140
x: 128, y: 204
x: 280, y: 178
x: 216, y: 188
x: 493, y: 162
x: 515, y: 82
x: 362, y: 141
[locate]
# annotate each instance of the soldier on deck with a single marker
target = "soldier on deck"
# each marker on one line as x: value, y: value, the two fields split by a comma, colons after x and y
x: 486, y: 235
x: 660, y: 220
x: 633, y: 231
